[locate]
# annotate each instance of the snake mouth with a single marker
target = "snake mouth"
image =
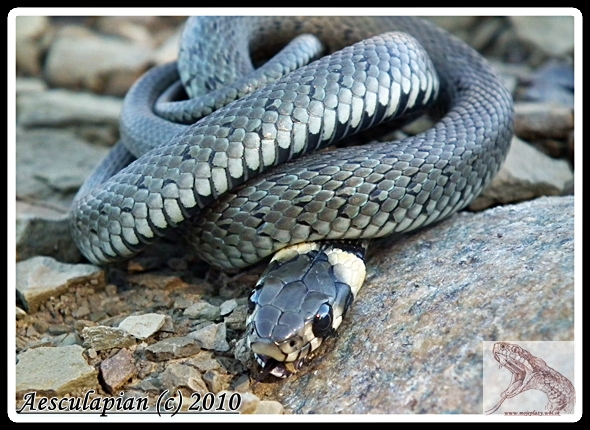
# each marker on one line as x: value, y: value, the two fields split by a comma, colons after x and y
x: 280, y: 369
x: 520, y: 369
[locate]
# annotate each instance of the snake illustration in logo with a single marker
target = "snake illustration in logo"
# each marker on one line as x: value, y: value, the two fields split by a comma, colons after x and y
x: 532, y: 373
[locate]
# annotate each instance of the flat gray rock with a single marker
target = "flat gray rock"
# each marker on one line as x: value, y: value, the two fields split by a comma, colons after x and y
x: 102, y: 338
x: 39, y: 278
x: 171, y: 348
x: 412, y: 342
x: 58, y: 107
x: 212, y: 336
x: 79, y: 58
x: 553, y: 35
x: 54, y: 371
x: 527, y: 173
x: 142, y: 326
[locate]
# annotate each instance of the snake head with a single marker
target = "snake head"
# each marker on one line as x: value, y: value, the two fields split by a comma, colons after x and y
x: 299, y: 301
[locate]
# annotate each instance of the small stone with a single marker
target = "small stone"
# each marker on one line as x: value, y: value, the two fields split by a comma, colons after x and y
x: 203, y: 361
x: 58, y: 108
x: 56, y: 329
x: 526, y: 173
x: 20, y: 314
x: 237, y: 319
x: 177, y: 375
x: 249, y: 402
x: 542, y: 120
x: 117, y: 370
x: 54, y: 371
x: 69, y: 339
x: 173, y: 347
x: 551, y: 34
x: 203, y: 311
x: 103, y: 338
x: 213, y: 380
x: 79, y: 58
x: 81, y: 312
x: 39, y: 278
x: 227, y: 307
x: 143, y: 326
x: 269, y: 407
x: 212, y: 337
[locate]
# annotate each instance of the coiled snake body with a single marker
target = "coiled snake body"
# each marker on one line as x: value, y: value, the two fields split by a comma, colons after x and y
x: 227, y: 180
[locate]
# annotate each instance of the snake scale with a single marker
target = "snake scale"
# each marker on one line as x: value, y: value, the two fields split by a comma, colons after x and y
x: 239, y: 183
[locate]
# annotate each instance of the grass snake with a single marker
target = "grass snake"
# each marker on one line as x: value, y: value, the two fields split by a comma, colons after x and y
x: 224, y: 158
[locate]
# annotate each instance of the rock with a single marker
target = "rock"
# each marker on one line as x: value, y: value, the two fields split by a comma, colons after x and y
x: 227, y: 307
x: 237, y: 319
x: 248, y: 404
x: 117, y: 370
x: 268, y: 407
x: 527, y: 173
x: 412, y: 342
x: 552, y: 34
x: 178, y: 375
x: 157, y: 281
x: 32, y: 221
x: 213, y: 380
x: 81, y: 59
x: 29, y: 46
x: 542, y: 120
x: 203, y: 311
x: 29, y: 85
x: 39, y: 278
x: 103, y: 338
x: 172, y: 347
x: 142, y: 326
x: 203, y: 361
x: 54, y: 371
x: 212, y: 336
x: 552, y: 83
x: 59, y: 108
x: 57, y: 329
x: 56, y: 181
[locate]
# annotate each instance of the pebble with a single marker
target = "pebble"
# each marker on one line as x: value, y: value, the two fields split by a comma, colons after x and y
x: 39, y: 278
x: 30, y: 31
x: 204, y: 361
x: 227, y: 307
x: 203, y: 311
x: 212, y: 337
x: 553, y: 35
x: 177, y: 375
x: 54, y: 371
x: 171, y: 348
x: 79, y: 58
x: 143, y: 326
x: 59, y: 107
x: 103, y: 338
x: 533, y: 121
x: 117, y: 370
x: 527, y: 173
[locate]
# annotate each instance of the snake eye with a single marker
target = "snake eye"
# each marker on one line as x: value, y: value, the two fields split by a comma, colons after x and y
x: 322, y: 323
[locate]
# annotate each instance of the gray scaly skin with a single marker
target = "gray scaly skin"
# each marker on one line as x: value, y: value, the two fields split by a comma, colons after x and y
x: 227, y: 181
